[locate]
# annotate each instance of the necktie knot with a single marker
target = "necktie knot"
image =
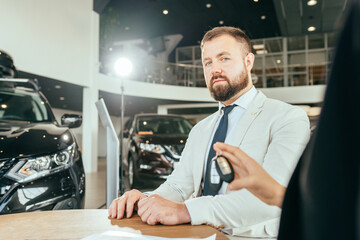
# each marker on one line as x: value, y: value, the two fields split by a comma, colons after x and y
x: 228, y: 109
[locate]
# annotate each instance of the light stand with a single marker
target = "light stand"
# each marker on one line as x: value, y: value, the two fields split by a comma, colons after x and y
x: 122, y: 187
x: 123, y: 67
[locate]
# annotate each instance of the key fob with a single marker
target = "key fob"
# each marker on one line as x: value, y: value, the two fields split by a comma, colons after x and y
x: 224, y: 168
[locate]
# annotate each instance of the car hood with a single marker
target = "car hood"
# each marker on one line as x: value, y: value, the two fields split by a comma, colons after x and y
x: 18, y: 139
x: 161, y: 139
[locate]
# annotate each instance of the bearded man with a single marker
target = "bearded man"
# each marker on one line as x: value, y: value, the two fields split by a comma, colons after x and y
x: 270, y: 131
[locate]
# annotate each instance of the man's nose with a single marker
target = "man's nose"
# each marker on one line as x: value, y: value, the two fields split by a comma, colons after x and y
x: 215, y: 69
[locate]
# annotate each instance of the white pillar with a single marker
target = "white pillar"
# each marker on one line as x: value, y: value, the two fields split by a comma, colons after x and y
x: 90, y: 96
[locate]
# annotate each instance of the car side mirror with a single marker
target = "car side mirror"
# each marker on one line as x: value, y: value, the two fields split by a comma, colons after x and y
x: 71, y: 120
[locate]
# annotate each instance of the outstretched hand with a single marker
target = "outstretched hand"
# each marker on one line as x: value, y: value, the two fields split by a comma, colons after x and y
x: 251, y: 176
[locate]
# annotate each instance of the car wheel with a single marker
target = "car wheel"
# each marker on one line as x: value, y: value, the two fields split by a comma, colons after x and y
x: 131, y: 176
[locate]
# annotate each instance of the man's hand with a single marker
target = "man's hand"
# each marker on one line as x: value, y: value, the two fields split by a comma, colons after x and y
x: 127, y: 201
x: 156, y: 209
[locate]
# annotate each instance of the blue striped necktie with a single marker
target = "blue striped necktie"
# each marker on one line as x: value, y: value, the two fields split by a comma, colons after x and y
x: 220, y: 134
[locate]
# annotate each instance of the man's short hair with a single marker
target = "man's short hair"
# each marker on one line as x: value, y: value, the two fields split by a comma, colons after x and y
x: 236, y: 33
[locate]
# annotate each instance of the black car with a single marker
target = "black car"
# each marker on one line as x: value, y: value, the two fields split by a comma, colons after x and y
x: 40, y: 163
x: 153, y: 145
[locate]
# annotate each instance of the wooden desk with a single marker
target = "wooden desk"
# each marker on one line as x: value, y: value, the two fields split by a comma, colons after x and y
x: 76, y: 224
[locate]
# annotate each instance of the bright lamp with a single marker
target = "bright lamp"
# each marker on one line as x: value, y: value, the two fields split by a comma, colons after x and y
x: 123, y: 67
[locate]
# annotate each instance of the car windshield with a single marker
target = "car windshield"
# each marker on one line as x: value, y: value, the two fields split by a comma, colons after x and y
x: 162, y: 125
x: 21, y: 105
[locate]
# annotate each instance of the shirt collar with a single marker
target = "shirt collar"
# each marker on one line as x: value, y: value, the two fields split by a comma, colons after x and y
x: 244, y: 100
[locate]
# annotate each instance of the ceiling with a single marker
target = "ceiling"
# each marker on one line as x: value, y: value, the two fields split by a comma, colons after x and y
x: 144, y: 19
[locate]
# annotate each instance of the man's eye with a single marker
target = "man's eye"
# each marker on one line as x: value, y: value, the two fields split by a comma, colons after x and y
x: 225, y: 59
x: 207, y: 63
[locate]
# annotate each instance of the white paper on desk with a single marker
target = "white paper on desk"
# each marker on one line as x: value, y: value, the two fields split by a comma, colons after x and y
x: 116, y: 235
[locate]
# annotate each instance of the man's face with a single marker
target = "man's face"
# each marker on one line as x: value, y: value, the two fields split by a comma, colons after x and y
x: 224, y: 67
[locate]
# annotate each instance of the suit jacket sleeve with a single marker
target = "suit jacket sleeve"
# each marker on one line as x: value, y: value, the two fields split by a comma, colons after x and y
x: 180, y: 184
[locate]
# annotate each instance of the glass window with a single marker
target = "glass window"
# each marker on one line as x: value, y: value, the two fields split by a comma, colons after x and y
x: 274, y: 81
x: 296, y: 62
x: 22, y: 106
x: 184, y: 54
x: 317, y: 57
x: 297, y: 79
x: 273, y: 45
x: 162, y: 125
x: 316, y: 41
x: 258, y: 63
x: 331, y: 39
x: 317, y: 74
x: 257, y: 45
x: 274, y: 64
x: 296, y: 43
x: 197, y: 53
x: 330, y: 55
x: 257, y: 81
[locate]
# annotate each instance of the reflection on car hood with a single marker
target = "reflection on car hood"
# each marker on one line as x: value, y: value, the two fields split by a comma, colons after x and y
x: 22, y: 139
x: 161, y: 139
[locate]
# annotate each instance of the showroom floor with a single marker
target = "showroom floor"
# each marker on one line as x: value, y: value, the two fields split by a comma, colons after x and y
x: 96, y: 187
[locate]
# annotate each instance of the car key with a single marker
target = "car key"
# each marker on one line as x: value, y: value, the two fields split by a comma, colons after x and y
x: 224, y: 168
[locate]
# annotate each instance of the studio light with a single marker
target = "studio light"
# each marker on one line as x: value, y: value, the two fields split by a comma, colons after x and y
x: 123, y: 67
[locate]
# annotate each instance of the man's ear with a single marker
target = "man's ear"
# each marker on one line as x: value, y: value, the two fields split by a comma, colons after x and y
x: 249, y: 61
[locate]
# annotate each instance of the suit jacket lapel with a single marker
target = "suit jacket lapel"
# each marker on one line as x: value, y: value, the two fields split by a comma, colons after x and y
x: 249, y: 116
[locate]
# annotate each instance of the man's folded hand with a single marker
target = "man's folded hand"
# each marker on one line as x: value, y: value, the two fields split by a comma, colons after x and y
x: 156, y: 209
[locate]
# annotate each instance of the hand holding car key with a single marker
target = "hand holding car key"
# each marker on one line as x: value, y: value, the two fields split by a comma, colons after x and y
x: 224, y: 168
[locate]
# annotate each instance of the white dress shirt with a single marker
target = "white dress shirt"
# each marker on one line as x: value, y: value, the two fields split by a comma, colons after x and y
x: 234, y: 117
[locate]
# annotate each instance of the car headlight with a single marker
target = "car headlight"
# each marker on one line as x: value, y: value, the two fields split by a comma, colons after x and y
x: 155, y: 148
x: 32, y: 168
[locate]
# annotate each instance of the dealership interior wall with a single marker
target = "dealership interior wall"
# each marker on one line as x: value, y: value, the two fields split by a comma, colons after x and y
x: 60, y: 40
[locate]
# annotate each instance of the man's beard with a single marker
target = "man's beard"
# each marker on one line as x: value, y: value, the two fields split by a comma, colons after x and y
x: 225, y: 92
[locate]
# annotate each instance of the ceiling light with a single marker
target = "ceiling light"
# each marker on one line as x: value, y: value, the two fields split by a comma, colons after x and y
x: 57, y: 86
x: 165, y: 12
x: 311, y: 2
x: 110, y: 49
x: 311, y: 28
x: 208, y: 5
x: 123, y: 67
x: 221, y: 22
x: 258, y: 46
x: 62, y: 98
x: 259, y: 52
x: 128, y: 28
x: 256, y: 0
x: 278, y: 61
x: 263, y: 17
x: 3, y: 106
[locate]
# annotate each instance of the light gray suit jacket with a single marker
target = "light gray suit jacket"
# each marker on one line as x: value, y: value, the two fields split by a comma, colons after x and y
x: 271, y: 132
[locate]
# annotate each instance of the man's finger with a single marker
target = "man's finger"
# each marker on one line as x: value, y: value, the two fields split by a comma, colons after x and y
x: 152, y: 219
x: 130, y: 205
x: 121, y: 202
x: 145, y: 215
x: 112, y: 208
